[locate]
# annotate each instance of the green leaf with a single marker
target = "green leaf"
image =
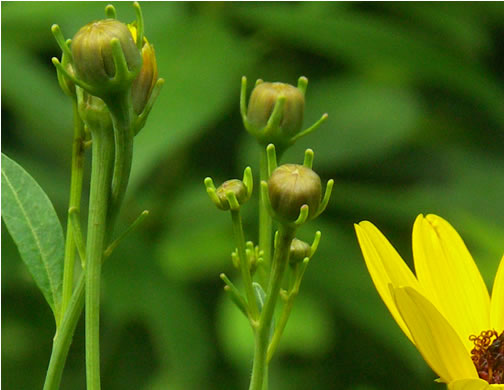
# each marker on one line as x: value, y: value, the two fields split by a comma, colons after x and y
x: 260, y: 295
x: 35, y: 228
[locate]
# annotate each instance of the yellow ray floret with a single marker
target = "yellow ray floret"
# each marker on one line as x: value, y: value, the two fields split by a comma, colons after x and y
x: 444, y: 307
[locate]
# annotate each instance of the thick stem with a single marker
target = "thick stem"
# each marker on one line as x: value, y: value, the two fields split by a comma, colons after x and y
x: 244, y: 266
x: 262, y: 334
x: 63, y: 337
x: 122, y: 166
x: 75, y: 200
x: 101, y: 176
x: 121, y: 111
x: 265, y: 222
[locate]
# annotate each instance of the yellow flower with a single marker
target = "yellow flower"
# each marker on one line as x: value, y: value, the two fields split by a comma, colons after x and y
x: 445, y: 310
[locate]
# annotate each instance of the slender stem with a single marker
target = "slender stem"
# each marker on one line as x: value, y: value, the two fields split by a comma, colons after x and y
x: 280, y: 325
x: 244, y: 266
x: 75, y: 200
x: 262, y: 334
x: 121, y: 111
x: 63, y: 337
x: 101, y: 176
x: 265, y: 222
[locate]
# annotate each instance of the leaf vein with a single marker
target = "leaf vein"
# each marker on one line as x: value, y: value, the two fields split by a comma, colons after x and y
x: 34, y: 234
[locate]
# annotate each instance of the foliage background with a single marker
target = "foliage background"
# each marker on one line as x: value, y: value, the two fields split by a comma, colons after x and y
x: 415, y: 94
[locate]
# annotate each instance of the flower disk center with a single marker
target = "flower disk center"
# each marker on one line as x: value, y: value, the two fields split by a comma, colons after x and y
x: 488, y: 356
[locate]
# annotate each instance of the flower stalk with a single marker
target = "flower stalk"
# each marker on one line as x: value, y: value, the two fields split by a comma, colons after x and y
x: 76, y: 182
x: 244, y: 264
x: 263, y: 330
x: 121, y: 111
x: 64, y: 335
x: 103, y: 70
x: 265, y: 221
x: 101, y: 176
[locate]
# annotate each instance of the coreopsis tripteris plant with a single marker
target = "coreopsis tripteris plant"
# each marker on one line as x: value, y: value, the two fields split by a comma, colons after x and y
x: 445, y: 309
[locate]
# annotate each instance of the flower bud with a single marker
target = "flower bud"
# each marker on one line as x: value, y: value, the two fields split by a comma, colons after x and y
x: 93, y: 54
x: 292, y: 186
x: 262, y: 102
x: 147, y: 77
x: 299, y: 250
x: 235, y: 186
x: 93, y: 111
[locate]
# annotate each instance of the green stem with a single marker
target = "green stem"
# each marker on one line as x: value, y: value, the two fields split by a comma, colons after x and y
x: 280, y: 325
x: 101, y: 176
x: 63, y: 337
x: 265, y: 222
x: 244, y: 266
x: 262, y: 334
x: 74, y: 202
x: 121, y: 111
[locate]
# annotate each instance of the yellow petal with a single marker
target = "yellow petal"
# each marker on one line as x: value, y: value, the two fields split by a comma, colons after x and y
x: 497, y: 306
x: 385, y: 267
x: 449, y: 277
x: 471, y: 384
x: 434, y: 337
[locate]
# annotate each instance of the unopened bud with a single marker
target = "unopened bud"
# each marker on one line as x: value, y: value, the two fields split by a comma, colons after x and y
x: 263, y: 99
x: 292, y: 186
x: 147, y: 77
x: 93, y: 54
x: 236, y: 187
x: 93, y: 111
x: 299, y: 250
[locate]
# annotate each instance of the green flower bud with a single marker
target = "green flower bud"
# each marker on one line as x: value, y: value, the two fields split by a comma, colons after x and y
x: 262, y: 102
x: 93, y: 111
x: 93, y: 54
x: 299, y: 250
x: 147, y: 77
x: 235, y: 186
x: 292, y: 186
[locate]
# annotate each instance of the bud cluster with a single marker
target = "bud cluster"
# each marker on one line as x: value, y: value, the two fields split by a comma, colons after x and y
x: 291, y: 194
x: 111, y: 61
x: 97, y: 49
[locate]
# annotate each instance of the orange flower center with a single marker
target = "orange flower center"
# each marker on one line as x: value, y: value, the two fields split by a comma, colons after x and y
x: 488, y: 356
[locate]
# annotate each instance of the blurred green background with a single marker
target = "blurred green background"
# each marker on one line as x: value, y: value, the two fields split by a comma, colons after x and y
x: 415, y: 96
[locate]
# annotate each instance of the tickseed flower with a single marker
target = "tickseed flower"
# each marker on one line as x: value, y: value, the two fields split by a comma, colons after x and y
x: 445, y: 310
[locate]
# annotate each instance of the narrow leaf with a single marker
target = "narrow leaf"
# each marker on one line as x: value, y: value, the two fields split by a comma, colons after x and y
x: 35, y: 228
x: 260, y: 296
